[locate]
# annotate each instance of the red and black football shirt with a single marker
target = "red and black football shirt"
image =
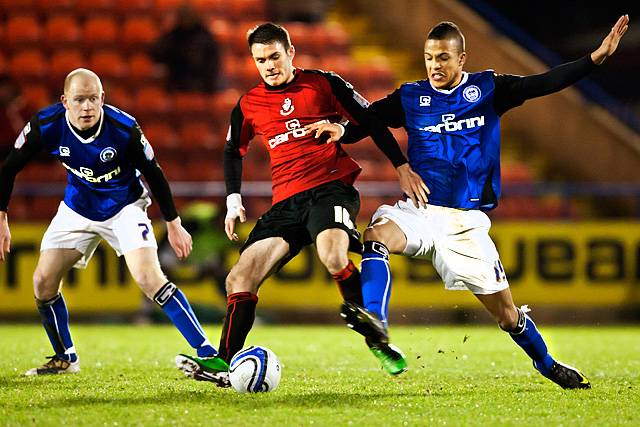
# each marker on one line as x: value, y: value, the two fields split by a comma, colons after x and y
x: 298, y: 160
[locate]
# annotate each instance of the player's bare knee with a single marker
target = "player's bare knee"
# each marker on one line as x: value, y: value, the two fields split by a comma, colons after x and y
x: 334, y: 261
x: 375, y: 233
x: 238, y: 281
x: 44, y: 287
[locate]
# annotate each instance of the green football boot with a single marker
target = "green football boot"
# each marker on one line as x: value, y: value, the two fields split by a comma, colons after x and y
x: 391, y: 357
x: 213, y: 369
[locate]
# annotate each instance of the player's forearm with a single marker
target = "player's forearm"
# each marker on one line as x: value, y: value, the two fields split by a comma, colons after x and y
x: 7, y: 178
x: 556, y: 78
x: 232, y: 162
x: 386, y: 143
x: 161, y: 191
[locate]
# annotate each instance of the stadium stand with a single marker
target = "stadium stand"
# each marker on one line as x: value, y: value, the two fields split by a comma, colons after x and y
x: 42, y: 40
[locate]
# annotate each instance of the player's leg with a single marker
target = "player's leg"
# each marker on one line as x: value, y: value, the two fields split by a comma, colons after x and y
x: 466, y: 257
x: 332, y: 246
x: 52, y: 265
x: 145, y: 269
x: 382, y: 237
x: 521, y: 328
x: 257, y: 262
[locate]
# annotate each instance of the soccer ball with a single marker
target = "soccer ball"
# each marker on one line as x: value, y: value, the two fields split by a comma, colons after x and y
x: 254, y: 369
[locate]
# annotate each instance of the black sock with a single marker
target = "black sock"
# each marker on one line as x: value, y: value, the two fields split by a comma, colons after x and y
x: 349, y: 283
x: 241, y: 312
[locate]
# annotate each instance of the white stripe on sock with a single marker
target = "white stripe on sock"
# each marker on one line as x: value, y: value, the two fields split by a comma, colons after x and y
x: 189, y: 316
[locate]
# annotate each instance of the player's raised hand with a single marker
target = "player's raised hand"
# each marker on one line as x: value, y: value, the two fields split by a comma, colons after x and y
x: 235, y: 210
x: 334, y: 130
x: 610, y: 42
x: 179, y: 238
x: 413, y: 185
x: 5, y: 236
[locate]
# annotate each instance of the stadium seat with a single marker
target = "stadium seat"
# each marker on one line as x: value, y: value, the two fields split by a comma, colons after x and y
x: 191, y: 104
x: 22, y: 30
x: 151, y: 101
x: 142, y: 68
x: 57, y: 6
x: 36, y: 95
x: 61, y: 30
x: 28, y: 64
x: 126, y: 8
x: 209, y: 8
x: 100, y: 31
x: 221, y: 105
x: 245, y: 9
x: 119, y: 96
x: 160, y: 134
x: 197, y: 134
x: 12, y: 6
x: 63, y: 61
x: 139, y: 31
x: 163, y: 8
x: 108, y: 64
x: 93, y: 8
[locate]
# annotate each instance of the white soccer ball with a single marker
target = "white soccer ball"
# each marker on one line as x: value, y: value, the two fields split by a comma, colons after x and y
x: 255, y: 369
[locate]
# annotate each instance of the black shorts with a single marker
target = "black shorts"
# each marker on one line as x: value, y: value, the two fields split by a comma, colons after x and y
x: 300, y: 218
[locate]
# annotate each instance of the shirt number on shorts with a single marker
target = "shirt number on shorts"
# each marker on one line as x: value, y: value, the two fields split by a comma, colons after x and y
x: 501, y: 276
x: 342, y: 216
x: 145, y: 230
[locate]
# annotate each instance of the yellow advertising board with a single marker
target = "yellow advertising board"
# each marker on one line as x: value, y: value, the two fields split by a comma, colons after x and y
x: 594, y: 264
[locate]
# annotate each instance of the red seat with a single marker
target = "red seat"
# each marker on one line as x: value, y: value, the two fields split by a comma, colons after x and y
x: 37, y: 95
x: 100, y: 31
x: 141, y: 68
x: 28, y: 64
x: 22, y: 30
x: 62, y: 62
x: 138, y: 31
x: 108, y: 64
x: 93, y: 7
x: 197, y: 133
x: 48, y: 6
x: 152, y: 101
x: 119, y: 96
x: 11, y: 6
x: 206, y: 8
x: 61, y: 30
x: 191, y: 103
x: 160, y: 134
x: 163, y: 8
x: 131, y: 7
x: 246, y: 9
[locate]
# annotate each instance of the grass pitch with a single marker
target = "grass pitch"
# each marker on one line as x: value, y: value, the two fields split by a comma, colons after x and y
x: 464, y: 375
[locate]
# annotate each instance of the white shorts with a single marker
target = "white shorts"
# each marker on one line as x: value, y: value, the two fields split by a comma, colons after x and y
x: 127, y: 230
x: 456, y: 241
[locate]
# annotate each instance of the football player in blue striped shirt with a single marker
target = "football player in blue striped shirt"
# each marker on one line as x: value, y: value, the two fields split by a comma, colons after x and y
x: 452, y: 119
x: 104, y: 152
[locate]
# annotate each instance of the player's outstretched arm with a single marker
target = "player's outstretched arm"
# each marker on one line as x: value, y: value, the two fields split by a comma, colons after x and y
x: 179, y: 238
x: 235, y: 210
x: 610, y: 42
x: 5, y: 236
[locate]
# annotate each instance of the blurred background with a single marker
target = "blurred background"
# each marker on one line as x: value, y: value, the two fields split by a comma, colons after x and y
x: 567, y: 226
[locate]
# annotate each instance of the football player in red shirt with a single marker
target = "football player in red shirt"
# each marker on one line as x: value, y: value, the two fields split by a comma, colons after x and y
x: 314, y: 199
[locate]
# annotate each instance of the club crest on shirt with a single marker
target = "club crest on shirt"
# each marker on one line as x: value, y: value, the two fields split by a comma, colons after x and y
x: 471, y: 93
x: 107, y: 154
x: 287, y: 107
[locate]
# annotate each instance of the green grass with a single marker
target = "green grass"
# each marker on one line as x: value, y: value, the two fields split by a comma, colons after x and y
x: 329, y: 378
